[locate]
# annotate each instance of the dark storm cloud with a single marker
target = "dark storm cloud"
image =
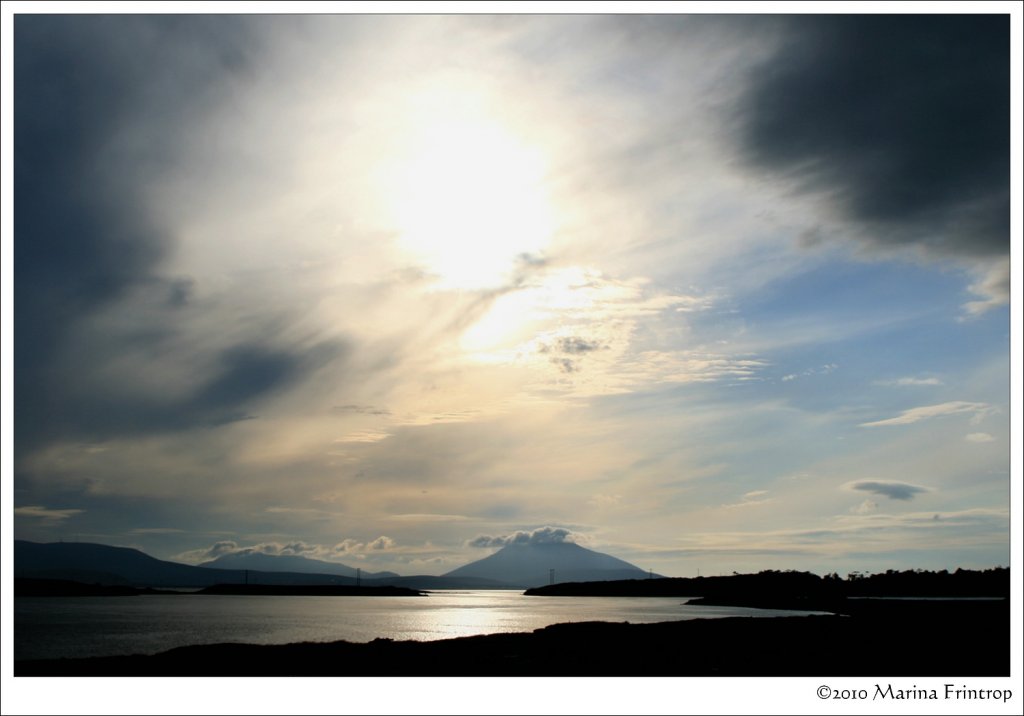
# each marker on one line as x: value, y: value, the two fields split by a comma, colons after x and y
x: 247, y: 372
x: 892, y: 490
x: 103, y: 105
x: 903, y: 121
x: 80, y: 83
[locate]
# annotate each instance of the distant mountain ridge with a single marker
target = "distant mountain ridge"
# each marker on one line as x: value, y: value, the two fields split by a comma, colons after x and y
x: 289, y: 563
x: 103, y: 564
x: 90, y: 563
x: 515, y: 566
x: 531, y: 565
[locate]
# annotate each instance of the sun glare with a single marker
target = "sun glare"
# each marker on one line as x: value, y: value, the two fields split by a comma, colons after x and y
x: 469, y: 196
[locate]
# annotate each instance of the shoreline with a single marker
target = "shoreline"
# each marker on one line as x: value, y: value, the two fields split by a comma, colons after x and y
x: 909, y: 639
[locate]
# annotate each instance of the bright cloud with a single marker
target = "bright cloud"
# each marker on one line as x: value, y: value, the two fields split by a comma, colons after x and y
x: 910, y: 381
x: 913, y: 415
x: 541, y: 535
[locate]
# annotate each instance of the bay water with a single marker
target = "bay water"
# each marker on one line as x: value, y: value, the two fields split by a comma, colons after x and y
x: 58, y: 627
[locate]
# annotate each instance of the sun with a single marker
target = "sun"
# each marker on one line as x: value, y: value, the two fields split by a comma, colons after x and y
x: 468, y: 194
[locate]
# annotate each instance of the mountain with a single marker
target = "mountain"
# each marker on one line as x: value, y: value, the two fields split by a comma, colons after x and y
x: 103, y: 564
x: 530, y: 565
x: 514, y: 566
x: 288, y: 563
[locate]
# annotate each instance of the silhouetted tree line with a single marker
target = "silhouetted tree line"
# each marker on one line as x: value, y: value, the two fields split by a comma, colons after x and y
x: 917, y: 582
x: 791, y: 584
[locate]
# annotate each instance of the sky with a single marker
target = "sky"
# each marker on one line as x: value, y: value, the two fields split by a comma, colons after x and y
x: 707, y: 293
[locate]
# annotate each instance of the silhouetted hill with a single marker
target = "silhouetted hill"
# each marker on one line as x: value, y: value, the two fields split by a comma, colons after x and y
x: 103, y: 564
x: 771, y: 587
x: 529, y: 565
x: 106, y: 565
x: 288, y: 563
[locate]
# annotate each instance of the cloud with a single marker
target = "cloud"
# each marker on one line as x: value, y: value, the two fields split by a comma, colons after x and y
x: 231, y: 547
x: 865, y: 532
x: 866, y: 507
x: 381, y: 542
x: 205, y: 554
x: 578, y: 329
x: 566, y: 365
x: 603, y: 500
x: 913, y: 415
x: 351, y: 546
x: 364, y: 436
x: 297, y: 548
x: 574, y: 345
x: 979, y: 438
x: 905, y: 382
x: 569, y: 345
x: 361, y: 409
x: 542, y: 535
x: 100, y: 104
x: 892, y: 490
x: 114, y: 340
x: 749, y: 499
x: 222, y: 547
x: 900, y: 121
x: 825, y: 369
x: 189, y: 266
x: 429, y: 517
x: 993, y: 285
x: 46, y: 513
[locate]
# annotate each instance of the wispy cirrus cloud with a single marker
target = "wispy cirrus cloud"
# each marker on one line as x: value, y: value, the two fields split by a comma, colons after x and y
x: 752, y: 498
x: 856, y: 531
x: 925, y: 412
x: 823, y: 370
x: 909, y: 381
x: 46, y: 513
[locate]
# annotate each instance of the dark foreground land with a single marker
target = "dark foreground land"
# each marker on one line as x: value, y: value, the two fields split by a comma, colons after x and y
x: 882, y: 637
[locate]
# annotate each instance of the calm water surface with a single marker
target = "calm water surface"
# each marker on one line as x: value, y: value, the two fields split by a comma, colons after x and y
x: 55, y: 627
